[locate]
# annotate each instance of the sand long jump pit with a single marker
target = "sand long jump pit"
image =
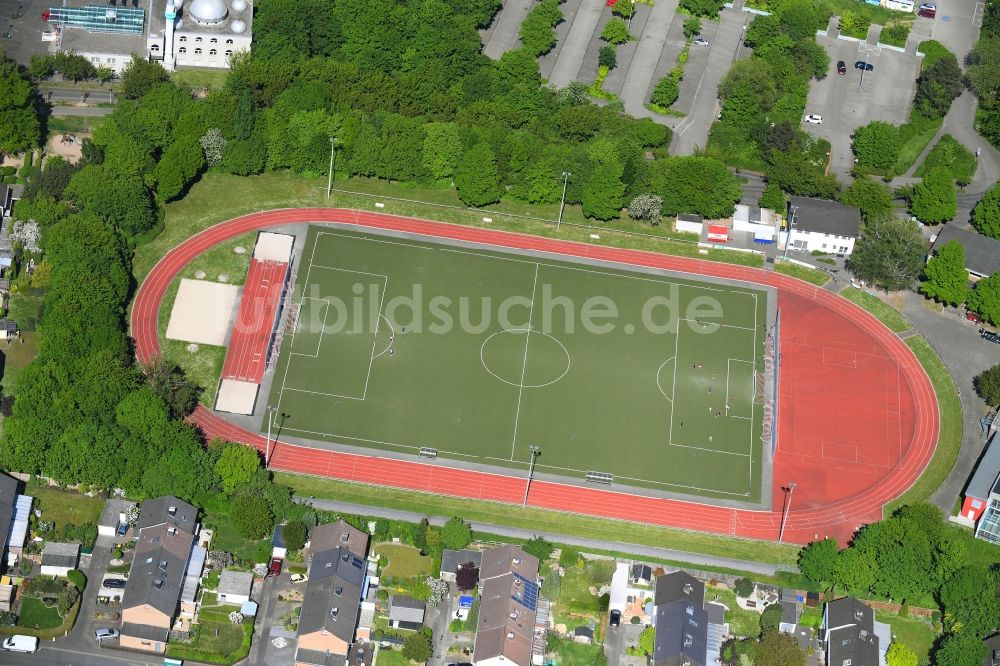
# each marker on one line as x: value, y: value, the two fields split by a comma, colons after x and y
x: 202, y: 312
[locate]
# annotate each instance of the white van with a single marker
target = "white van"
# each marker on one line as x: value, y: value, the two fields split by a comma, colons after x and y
x: 21, y: 644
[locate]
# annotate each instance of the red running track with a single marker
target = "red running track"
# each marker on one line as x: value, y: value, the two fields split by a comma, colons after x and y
x: 858, y: 418
x: 247, y: 353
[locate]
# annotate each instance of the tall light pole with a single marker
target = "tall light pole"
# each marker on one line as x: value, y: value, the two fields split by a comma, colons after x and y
x: 786, y: 508
x: 562, y: 203
x: 860, y: 83
x: 531, y: 469
x: 270, y: 422
x: 329, y: 177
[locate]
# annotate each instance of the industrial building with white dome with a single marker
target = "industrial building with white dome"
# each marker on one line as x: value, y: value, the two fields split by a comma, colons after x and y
x: 176, y: 33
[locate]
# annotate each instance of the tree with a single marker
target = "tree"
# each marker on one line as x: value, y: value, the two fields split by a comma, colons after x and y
x: 167, y: 380
x: 647, y: 639
x: 986, y: 214
x: 646, y: 207
x: 26, y: 235
x: 251, y: 515
x: 420, y: 535
x: 666, y: 92
x: 938, y: 86
x: 294, y: 534
x: 876, y: 145
x: 778, y: 649
x: 607, y: 56
x: 624, y: 8
x: 699, y: 185
x: 477, y: 177
x: 467, y: 576
x: 456, y: 534
x: 889, y: 253
x: 817, y: 561
x: 771, y: 617
x: 540, y: 547
x: 934, y: 198
x: 692, y: 26
x: 987, y: 385
x: 140, y: 75
x: 855, y: 570
x: 985, y: 299
x: 19, y: 126
x: 213, y: 142
x: 442, y: 149
x: 945, y: 277
x: 417, y: 646
x: 969, y: 601
x: 236, y: 466
x: 960, y: 649
x: 706, y: 8
x: 900, y: 655
x: 603, y: 191
x: 773, y: 198
x: 743, y: 587
x: 747, y: 90
x: 178, y: 166
x: 537, y: 34
x: 871, y: 198
x: 616, y: 32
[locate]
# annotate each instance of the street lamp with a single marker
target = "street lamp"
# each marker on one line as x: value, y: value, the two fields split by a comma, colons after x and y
x: 787, y: 506
x: 860, y: 83
x: 329, y: 177
x: 270, y: 423
x: 562, y: 203
x: 535, y: 452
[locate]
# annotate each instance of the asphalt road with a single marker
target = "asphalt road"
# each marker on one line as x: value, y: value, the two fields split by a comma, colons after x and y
x: 59, y: 655
x: 639, y: 79
x: 503, y: 34
x: 581, y: 33
x: 57, y: 95
x: 82, y: 111
x: 696, y: 559
x: 22, y: 19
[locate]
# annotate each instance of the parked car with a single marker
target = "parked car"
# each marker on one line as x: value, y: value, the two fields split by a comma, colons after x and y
x: 106, y: 632
x: 841, y: 67
x: 973, y: 317
x: 927, y: 10
x: 20, y: 643
x: 814, y: 119
x: 275, y: 568
x: 114, y: 583
x: 297, y: 578
x: 989, y: 335
x: 616, y: 618
x: 701, y: 41
x: 861, y: 64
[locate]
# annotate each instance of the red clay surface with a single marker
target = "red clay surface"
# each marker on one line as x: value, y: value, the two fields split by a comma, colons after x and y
x: 247, y: 353
x: 858, y: 418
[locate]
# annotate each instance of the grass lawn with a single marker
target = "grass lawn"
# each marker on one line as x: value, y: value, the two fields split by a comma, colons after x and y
x: 26, y: 310
x: 575, y: 601
x: 391, y: 657
x: 37, y: 615
x: 64, y: 507
x: 228, y: 539
x: 741, y: 622
x: 404, y: 561
x: 356, y: 369
x: 215, y: 642
x: 201, y: 77
x: 569, y: 653
x: 950, y: 435
x: 811, y: 275
x: 219, y: 197
x: 913, y: 633
x: 610, y: 531
x: 915, y: 138
x: 18, y: 355
x: 881, y: 310
x: 952, y: 155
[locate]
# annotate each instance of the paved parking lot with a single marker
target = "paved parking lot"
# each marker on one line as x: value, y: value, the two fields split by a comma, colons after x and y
x: 23, y: 20
x: 846, y: 102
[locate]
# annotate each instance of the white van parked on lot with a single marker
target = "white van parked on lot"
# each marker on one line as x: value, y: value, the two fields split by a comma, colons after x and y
x: 19, y: 643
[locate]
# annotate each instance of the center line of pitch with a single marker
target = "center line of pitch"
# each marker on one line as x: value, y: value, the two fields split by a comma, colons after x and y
x: 524, y: 363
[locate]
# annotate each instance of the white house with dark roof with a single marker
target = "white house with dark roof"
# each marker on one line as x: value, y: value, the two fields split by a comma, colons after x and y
x: 817, y: 225
x: 982, y: 253
x: 234, y: 587
x: 405, y: 612
x: 58, y: 559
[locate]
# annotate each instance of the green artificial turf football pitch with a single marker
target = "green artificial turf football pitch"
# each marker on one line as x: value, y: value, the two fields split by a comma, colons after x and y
x: 398, y: 344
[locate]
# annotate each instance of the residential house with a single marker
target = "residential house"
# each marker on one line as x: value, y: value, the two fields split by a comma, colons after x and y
x: 817, y: 225
x: 406, y: 612
x: 982, y: 253
x: 506, y: 633
x: 165, y: 543
x: 981, y: 505
x: 234, y: 587
x: 583, y: 635
x: 331, y: 606
x: 851, y: 636
x: 642, y: 574
x: 8, y: 329
x: 681, y: 621
x: 59, y: 558
x: 15, y: 510
x: 337, y: 535
x: 114, y: 521
x: 453, y: 560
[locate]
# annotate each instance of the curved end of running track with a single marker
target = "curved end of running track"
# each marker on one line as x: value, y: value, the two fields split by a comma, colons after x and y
x: 858, y: 417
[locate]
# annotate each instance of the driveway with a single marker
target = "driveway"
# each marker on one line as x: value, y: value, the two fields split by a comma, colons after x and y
x: 437, y: 618
x: 724, y: 48
x: 617, y: 639
x: 82, y: 636
x: 847, y: 102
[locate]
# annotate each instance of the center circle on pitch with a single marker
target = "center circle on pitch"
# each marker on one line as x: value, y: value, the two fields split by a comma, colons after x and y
x: 503, y: 356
